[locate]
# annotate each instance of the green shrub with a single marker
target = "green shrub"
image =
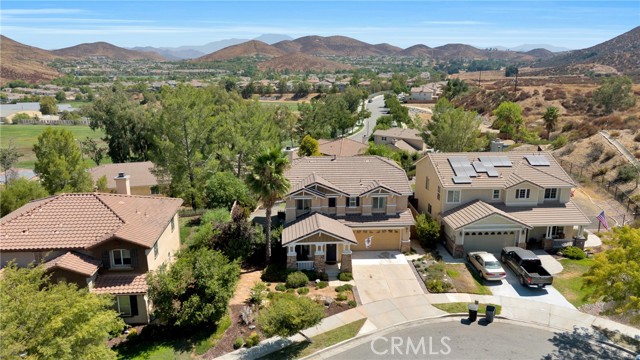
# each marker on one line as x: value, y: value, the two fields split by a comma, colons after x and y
x: 253, y: 340
x: 574, y: 253
x: 257, y: 292
x: 314, y: 275
x: 238, y: 343
x: 322, y: 284
x: 438, y: 286
x: 280, y: 287
x: 341, y: 296
x: 274, y: 273
x: 627, y: 173
x: 297, y: 279
x: 303, y: 290
x: 352, y: 303
x: 345, y: 276
x: 287, y: 314
x: 345, y: 287
x: 428, y: 231
x: 132, y: 333
x: 291, y: 291
x: 559, y: 142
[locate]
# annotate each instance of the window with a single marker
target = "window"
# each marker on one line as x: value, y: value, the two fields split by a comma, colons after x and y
x: 523, y: 193
x: 354, y: 202
x: 438, y: 193
x: 303, y: 204
x: 429, y: 208
x: 426, y: 183
x: 379, y: 202
x: 155, y: 250
x: 173, y: 223
x: 332, y: 202
x: 384, y: 138
x: 557, y: 230
x: 124, y: 305
x: 453, y: 196
x: 120, y: 258
x: 551, y: 194
x: 496, y: 194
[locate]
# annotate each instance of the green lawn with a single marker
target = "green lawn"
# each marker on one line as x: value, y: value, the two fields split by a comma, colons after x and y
x: 24, y: 136
x: 569, y: 282
x: 293, y: 106
x: 320, y: 342
x: 461, y: 307
x: 76, y: 104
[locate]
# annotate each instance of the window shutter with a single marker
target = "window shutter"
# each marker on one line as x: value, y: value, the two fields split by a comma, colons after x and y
x: 358, y: 201
x: 134, y: 257
x: 106, y: 260
x: 133, y: 299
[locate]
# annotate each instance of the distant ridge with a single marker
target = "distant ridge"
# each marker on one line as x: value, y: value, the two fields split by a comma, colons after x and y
x: 82, y: 51
x: 23, y: 62
x: 246, y: 49
x: 302, y: 62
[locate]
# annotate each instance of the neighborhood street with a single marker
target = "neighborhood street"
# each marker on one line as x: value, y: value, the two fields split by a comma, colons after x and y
x: 375, y: 107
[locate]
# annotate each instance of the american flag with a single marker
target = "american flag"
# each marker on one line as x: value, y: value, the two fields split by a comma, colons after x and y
x: 603, y: 220
x: 367, y: 241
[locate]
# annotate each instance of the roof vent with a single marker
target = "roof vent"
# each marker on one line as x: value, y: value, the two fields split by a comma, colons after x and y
x: 121, y: 175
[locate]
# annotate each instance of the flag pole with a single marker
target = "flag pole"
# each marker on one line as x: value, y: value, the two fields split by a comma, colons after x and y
x: 599, y: 223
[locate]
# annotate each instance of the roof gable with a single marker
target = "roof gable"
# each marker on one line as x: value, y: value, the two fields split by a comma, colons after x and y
x: 470, y: 213
x: 314, y: 224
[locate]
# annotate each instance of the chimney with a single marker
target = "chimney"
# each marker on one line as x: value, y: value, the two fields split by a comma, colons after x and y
x: 334, y: 157
x: 122, y: 184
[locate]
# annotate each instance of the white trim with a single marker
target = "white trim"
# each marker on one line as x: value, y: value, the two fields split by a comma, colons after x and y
x: 453, y: 202
x: 118, y: 297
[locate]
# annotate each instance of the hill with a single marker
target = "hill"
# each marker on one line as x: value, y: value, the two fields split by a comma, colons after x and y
x: 335, y: 45
x: 621, y: 53
x: 19, y: 61
x: 540, y: 53
x: 82, y: 51
x: 246, y: 49
x: 302, y: 62
x: 461, y: 51
x: 417, y: 51
x: 172, y: 54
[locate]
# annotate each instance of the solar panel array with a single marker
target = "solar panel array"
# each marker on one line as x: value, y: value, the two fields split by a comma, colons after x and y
x: 486, y: 168
x: 463, y: 169
x: 496, y: 161
x: 537, y: 160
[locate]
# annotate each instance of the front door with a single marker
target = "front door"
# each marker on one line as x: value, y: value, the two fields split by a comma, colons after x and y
x: 332, y: 256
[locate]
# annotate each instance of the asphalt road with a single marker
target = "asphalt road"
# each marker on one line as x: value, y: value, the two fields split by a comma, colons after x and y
x: 370, y: 123
x: 461, y: 340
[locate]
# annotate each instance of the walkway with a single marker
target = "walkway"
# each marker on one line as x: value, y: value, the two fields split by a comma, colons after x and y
x: 621, y: 148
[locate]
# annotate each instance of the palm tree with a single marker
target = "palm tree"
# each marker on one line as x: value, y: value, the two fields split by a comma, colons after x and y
x: 551, y: 119
x: 268, y: 182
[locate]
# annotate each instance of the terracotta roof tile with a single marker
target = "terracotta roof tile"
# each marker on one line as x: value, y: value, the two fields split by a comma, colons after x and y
x: 315, y: 223
x: 121, y: 284
x: 139, y: 172
x: 76, y: 262
x: 342, y: 147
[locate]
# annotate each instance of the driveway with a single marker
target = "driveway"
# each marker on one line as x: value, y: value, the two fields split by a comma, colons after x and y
x: 512, y: 288
x: 380, y: 275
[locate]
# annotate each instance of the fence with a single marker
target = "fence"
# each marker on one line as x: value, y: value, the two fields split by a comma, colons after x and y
x: 619, y: 194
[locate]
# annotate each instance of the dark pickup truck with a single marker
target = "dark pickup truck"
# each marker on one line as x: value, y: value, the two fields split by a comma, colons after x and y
x: 527, y: 267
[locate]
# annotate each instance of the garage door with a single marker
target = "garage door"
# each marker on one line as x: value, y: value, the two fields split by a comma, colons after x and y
x: 492, y: 242
x: 380, y: 239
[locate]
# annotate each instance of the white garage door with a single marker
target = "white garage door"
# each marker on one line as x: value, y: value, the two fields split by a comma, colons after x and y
x: 492, y: 241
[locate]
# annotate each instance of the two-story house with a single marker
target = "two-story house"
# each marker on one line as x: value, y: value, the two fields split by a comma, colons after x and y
x: 106, y: 242
x: 486, y: 201
x: 339, y: 204
x: 408, y: 140
x: 142, y: 179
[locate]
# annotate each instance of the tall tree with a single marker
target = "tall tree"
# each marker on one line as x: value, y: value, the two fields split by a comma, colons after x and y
x: 18, y: 193
x: 59, y: 162
x: 94, y: 151
x: 452, y: 129
x: 8, y: 157
x: 48, y: 105
x: 286, y: 121
x: 615, y: 93
x: 268, y: 182
x: 224, y: 188
x: 508, y: 117
x: 41, y: 320
x: 308, y: 147
x: 454, y: 88
x: 550, y: 118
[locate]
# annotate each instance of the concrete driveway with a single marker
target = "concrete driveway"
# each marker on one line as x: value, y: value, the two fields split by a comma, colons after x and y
x: 380, y: 275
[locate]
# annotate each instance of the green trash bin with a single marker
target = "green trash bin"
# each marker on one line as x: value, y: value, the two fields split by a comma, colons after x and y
x: 490, y: 313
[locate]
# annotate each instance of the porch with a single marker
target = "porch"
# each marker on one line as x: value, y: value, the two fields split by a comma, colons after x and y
x: 555, y: 237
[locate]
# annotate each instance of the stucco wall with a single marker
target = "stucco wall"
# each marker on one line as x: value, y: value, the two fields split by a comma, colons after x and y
x: 425, y: 169
x: 383, y: 239
x: 510, y: 199
x: 97, y: 252
x: 168, y: 245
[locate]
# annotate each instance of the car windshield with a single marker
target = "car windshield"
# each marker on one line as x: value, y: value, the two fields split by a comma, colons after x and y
x: 492, y: 265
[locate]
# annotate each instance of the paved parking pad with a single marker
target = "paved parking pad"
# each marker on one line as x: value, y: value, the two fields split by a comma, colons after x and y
x: 380, y: 275
x: 511, y: 287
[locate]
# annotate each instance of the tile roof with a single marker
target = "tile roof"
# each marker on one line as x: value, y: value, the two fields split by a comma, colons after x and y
x: 352, y: 175
x: 77, y: 221
x: 121, y: 284
x: 474, y: 211
x: 403, y: 145
x: 402, y: 219
x: 139, y: 172
x: 400, y: 133
x: 548, y: 214
x: 76, y: 262
x: 342, y: 147
x: 316, y: 223
x: 543, y: 176
x: 313, y: 178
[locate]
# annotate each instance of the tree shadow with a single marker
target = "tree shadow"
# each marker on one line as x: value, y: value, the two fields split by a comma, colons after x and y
x: 154, y: 339
x: 290, y: 352
x: 581, y: 344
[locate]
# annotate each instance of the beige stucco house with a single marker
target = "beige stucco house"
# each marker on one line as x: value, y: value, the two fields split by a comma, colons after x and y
x: 486, y: 201
x: 142, y: 181
x: 337, y: 205
x: 408, y: 140
x: 106, y: 242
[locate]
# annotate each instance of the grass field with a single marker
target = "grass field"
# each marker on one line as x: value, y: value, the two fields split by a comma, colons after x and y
x: 24, y: 136
x: 569, y: 282
x: 293, y: 106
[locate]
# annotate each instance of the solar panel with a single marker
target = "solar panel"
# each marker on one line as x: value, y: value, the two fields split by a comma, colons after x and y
x: 462, y: 166
x: 461, y: 180
x: 492, y: 172
x: 537, y: 160
x: 503, y: 161
x: 480, y: 167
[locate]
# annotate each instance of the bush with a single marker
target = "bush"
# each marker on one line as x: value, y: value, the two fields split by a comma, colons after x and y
x: 252, y: 340
x: 313, y: 275
x: 133, y: 333
x: 238, y: 343
x: 345, y: 276
x: 438, y: 286
x: 322, y: 284
x: 280, y: 287
x: 257, y: 292
x: 287, y: 314
x: 600, y: 171
x: 574, y: 253
x: 274, y: 273
x: 627, y: 173
x: 428, y: 231
x: 559, y: 142
x: 345, y: 287
x: 352, y: 303
x: 596, y: 152
x: 341, y: 296
x: 303, y: 290
x: 297, y: 279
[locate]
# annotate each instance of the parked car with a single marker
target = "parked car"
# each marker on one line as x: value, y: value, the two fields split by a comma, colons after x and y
x: 527, y: 267
x: 487, y: 265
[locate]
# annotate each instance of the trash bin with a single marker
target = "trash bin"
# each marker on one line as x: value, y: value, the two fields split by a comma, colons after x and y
x: 490, y: 313
x: 473, y: 312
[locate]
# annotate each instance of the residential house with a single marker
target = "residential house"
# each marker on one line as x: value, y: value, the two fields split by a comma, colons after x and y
x: 337, y: 205
x: 105, y: 242
x: 401, y: 139
x: 422, y: 93
x: 141, y: 179
x: 341, y: 147
x: 486, y: 201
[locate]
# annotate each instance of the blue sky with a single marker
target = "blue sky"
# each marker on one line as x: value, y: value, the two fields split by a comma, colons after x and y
x: 572, y: 24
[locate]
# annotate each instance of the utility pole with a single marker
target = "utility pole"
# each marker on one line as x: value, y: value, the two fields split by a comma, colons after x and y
x: 479, y: 78
x: 515, y: 87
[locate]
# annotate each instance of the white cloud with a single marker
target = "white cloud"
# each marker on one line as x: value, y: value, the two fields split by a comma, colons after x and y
x: 40, y: 11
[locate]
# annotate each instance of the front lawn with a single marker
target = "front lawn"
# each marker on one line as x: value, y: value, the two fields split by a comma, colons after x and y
x: 320, y: 342
x: 570, y: 282
x: 440, y: 277
x: 461, y: 307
